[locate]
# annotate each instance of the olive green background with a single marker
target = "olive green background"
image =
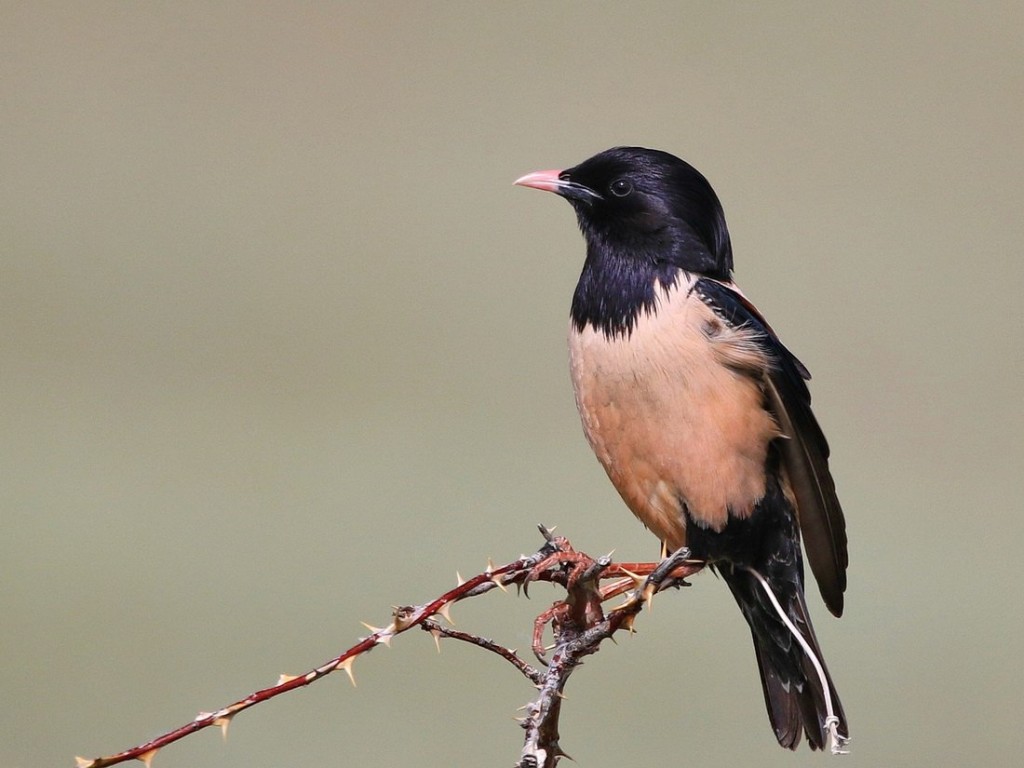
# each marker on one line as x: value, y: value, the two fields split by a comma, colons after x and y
x: 281, y: 346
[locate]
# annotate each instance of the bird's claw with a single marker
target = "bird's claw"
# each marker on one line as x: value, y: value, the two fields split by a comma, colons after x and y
x: 553, y: 614
x: 580, y: 574
x: 564, y: 557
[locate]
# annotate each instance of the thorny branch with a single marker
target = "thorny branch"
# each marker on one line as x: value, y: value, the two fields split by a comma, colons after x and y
x: 579, y: 625
x: 532, y: 674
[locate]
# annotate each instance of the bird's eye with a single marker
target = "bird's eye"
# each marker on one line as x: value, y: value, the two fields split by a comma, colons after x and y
x: 621, y: 187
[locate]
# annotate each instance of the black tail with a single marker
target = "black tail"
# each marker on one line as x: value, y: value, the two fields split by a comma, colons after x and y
x: 767, y: 545
x: 797, y: 700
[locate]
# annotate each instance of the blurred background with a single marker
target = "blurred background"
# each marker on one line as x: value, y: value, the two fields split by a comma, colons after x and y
x: 281, y: 346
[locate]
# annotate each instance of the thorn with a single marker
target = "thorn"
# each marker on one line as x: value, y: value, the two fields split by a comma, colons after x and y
x: 490, y: 567
x: 224, y: 721
x: 437, y: 638
x: 648, y: 597
x: 286, y: 679
x: 83, y: 762
x: 497, y: 582
x: 347, y: 666
x: 384, y: 634
x: 664, y: 551
x: 445, y: 610
x: 459, y: 580
x: 147, y: 757
x: 637, y: 580
x: 559, y: 752
x: 606, y: 557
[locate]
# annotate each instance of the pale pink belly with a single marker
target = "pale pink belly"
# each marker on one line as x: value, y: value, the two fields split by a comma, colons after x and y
x: 671, y: 423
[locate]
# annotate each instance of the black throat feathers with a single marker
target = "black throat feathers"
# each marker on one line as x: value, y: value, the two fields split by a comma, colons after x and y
x: 614, y: 290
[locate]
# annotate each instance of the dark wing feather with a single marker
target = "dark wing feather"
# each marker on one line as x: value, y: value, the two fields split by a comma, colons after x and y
x: 805, y: 452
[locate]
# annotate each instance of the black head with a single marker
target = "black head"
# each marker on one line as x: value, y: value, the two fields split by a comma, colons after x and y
x: 648, y: 205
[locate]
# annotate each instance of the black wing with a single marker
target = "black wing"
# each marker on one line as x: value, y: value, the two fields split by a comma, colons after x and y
x: 805, y: 452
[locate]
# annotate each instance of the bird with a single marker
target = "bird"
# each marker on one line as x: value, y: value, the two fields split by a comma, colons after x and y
x: 702, y: 418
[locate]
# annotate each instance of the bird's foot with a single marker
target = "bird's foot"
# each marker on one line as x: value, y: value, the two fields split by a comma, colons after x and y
x: 564, y: 565
x: 557, y: 614
x: 581, y: 576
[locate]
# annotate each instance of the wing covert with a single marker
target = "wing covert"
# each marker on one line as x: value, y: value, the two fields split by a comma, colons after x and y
x: 805, y: 452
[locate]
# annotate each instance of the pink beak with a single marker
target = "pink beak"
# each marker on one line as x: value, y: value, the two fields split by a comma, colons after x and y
x: 545, y: 180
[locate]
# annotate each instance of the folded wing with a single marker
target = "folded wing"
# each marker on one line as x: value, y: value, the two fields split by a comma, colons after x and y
x: 804, y: 448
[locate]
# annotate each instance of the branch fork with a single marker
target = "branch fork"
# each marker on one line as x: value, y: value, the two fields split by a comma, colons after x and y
x: 579, y: 624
